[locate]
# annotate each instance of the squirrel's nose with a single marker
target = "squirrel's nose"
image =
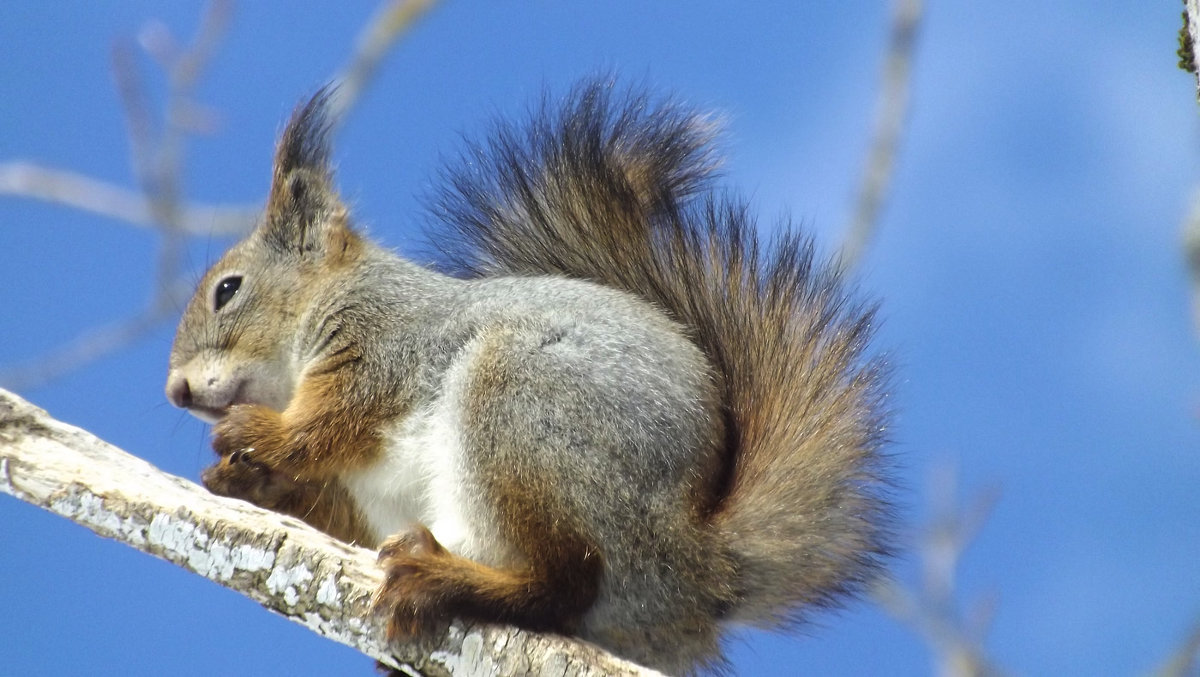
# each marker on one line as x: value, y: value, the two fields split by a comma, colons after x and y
x: 179, y: 392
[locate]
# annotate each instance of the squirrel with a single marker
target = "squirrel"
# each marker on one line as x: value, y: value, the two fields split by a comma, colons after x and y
x: 612, y: 412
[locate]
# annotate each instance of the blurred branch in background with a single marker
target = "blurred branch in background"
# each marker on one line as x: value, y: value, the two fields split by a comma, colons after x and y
x: 391, y: 20
x: 1185, y: 662
x: 95, y: 342
x: 71, y: 189
x: 931, y: 607
x: 1190, y: 38
x: 157, y: 156
x: 1191, y: 249
x: 891, y: 116
x: 156, y: 152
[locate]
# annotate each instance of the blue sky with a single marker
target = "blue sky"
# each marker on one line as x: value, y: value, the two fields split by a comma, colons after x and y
x: 1030, y: 270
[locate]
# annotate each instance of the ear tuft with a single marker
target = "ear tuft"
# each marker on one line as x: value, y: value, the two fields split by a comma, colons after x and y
x: 305, y: 140
x: 303, y: 208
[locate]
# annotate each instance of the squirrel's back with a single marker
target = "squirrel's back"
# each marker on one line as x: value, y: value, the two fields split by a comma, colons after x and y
x: 634, y: 423
x: 615, y: 189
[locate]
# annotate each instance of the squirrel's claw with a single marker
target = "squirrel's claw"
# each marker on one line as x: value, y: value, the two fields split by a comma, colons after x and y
x: 238, y: 476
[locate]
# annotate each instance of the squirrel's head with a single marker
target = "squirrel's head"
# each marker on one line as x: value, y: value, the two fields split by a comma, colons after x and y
x: 237, y: 342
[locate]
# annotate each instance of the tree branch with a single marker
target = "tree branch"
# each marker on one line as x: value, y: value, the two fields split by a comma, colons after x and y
x: 64, y: 187
x: 931, y: 607
x: 1186, y: 658
x: 156, y: 153
x: 281, y: 563
x: 97, y: 342
x: 1191, y: 29
x: 1191, y: 252
x: 1191, y: 228
x: 391, y: 21
x: 891, y: 115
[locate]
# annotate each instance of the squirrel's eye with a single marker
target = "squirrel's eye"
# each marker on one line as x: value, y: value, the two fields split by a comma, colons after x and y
x: 226, y: 288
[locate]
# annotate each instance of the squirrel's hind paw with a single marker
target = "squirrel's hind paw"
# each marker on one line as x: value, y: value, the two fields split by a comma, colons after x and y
x: 413, y: 593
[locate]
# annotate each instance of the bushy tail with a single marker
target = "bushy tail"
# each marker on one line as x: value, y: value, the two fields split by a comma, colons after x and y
x: 616, y: 190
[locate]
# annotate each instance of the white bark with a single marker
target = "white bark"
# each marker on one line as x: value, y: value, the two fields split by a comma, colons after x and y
x: 283, y: 564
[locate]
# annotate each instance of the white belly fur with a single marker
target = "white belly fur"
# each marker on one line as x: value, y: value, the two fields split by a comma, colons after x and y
x: 418, y: 481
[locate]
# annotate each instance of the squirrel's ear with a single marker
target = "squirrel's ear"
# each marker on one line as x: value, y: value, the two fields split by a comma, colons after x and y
x: 303, y: 206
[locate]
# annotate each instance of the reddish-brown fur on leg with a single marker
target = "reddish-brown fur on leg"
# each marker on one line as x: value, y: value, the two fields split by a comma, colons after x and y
x: 321, y: 433
x: 553, y: 578
x: 427, y: 585
x: 324, y: 505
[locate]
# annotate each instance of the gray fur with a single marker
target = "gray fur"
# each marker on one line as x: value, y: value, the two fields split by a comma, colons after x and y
x: 621, y: 349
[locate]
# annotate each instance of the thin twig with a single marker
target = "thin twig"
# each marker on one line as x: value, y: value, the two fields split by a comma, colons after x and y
x: 890, y: 117
x: 158, y: 164
x: 931, y: 607
x: 191, y: 63
x: 392, y: 20
x: 157, y: 157
x: 1185, y: 661
x: 139, y: 125
x: 71, y: 189
x: 157, y: 161
x: 95, y: 343
x: 1191, y: 248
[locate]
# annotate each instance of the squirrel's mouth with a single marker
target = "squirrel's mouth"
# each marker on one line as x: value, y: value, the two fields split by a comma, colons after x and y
x: 212, y: 414
x: 207, y: 414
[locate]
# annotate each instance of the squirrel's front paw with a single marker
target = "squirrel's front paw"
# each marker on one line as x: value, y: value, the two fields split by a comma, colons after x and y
x: 413, y: 562
x: 246, y: 428
x: 237, y: 476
